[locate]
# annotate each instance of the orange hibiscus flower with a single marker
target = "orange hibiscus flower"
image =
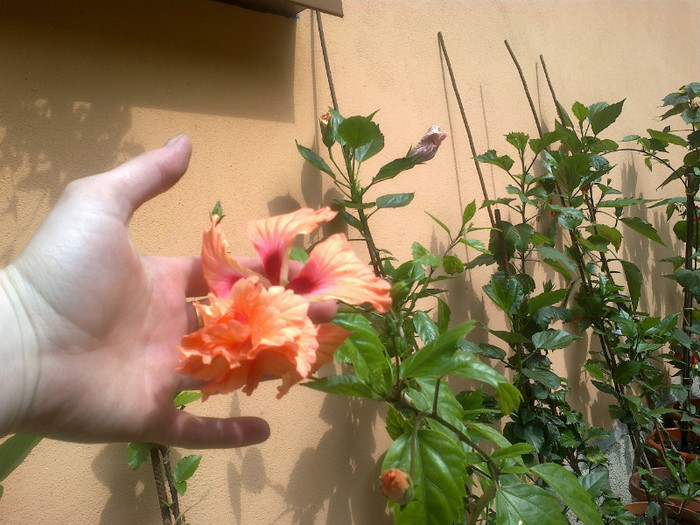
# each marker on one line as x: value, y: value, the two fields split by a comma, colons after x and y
x: 257, y: 324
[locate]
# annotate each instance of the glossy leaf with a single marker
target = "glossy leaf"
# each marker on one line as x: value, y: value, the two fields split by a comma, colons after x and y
x: 396, y: 166
x: 358, y: 131
x: 570, y: 491
x: 491, y: 157
x: 365, y: 351
x: 644, y: 227
x: 553, y: 339
x: 186, y: 467
x: 314, y: 159
x: 435, y: 358
x: 524, y: 504
x: 395, y: 200
x: 545, y: 299
x: 184, y: 398
x: 438, y: 478
x: 425, y: 327
x: 344, y: 385
x: 602, y: 115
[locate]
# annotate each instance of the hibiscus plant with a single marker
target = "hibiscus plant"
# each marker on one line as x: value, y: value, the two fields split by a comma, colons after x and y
x: 446, y: 464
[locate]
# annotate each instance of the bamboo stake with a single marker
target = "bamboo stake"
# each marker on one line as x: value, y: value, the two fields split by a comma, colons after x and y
x: 441, y: 40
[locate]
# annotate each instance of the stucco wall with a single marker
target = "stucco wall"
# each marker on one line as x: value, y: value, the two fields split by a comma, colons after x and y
x: 87, y: 85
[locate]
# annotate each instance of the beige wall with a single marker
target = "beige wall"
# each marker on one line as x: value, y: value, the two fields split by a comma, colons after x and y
x: 86, y: 85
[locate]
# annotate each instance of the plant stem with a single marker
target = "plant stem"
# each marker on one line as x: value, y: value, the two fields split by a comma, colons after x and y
x: 175, y: 507
x: 160, y: 487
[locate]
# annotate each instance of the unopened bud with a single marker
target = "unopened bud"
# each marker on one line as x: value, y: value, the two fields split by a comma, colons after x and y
x: 324, y: 120
x: 427, y: 146
x: 397, y: 486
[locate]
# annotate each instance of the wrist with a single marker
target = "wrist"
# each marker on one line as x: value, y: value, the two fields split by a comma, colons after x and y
x: 18, y: 351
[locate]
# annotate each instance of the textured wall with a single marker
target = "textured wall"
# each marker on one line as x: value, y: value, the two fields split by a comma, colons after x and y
x: 87, y: 85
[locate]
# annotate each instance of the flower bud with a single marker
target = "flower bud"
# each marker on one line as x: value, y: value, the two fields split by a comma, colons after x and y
x: 427, y: 146
x: 324, y: 120
x: 397, y: 486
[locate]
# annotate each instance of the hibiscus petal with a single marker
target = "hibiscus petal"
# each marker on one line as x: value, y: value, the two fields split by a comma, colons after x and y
x: 220, y: 270
x: 273, y: 238
x: 334, y: 271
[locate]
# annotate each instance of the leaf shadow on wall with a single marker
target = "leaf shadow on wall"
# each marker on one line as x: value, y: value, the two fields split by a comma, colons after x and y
x: 132, y: 493
x: 73, y: 73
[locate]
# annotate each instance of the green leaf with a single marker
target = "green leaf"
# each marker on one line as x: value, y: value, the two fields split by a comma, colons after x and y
x: 595, y: 482
x: 689, y: 280
x: 452, y: 265
x: 626, y: 371
x: 180, y: 486
x: 426, y: 329
x: 184, y: 398
x: 512, y: 451
x: 491, y: 157
x: 438, y: 478
x: 396, y: 166
x: 365, y: 351
x: 634, y: 281
x: 545, y: 299
x: 543, y: 377
x: 448, y: 407
x: 344, y: 385
x: 580, y: 111
x: 440, y: 223
x: 524, y: 504
x: 470, y: 366
x: 424, y: 257
x: 298, y: 254
x: 622, y: 203
x: 14, y: 450
x: 570, y: 491
x: 394, y: 200
x: 692, y: 471
x: 186, y: 467
x: 468, y: 213
x: 611, y: 234
x: 553, y: 339
x: 370, y: 149
x: 432, y: 359
x: 137, y: 453
x: 508, y: 398
x: 644, y: 227
x: 396, y: 424
x: 359, y: 131
x: 314, y: 159
x: 602, y: 115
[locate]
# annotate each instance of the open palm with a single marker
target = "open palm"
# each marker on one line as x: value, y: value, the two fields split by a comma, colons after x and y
x: 106, y: 321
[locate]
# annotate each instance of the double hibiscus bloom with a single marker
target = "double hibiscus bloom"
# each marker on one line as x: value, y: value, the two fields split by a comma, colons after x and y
x: 257, y: 324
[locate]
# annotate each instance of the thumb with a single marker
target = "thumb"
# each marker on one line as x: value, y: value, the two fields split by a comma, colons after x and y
x: 189, y: 431
x: 148, y: 175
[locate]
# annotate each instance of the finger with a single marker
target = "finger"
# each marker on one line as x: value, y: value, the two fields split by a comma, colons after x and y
x: 323, y: 312
x: 149, y: 174
x: 189, y: 431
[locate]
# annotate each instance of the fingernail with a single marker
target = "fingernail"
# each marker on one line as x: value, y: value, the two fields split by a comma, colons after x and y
x: 173, y: 140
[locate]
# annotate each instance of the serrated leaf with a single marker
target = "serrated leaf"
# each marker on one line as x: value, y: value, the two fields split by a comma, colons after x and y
x: 435, y: 358
x: 344, y: 385
x: 523, y: 504
x: 394, y: 200
x: 512, y: 451
x: 186, y: 467
x: 491, y: 157
x: 180, y: 486
x: 643, y: 227
x: 570, y: 491
x: 423, y: 256
x: 544, y: 377
x: 358, y: 131
x: 365, y: 351
x: 452, y: 265
x: 396, y: 424
x: 438, y: 478
x: 545, y: 299
x: 425, y: 327
x: 553, y: 339
x: 508, y: 398
x: 610, y: 233
x: 602, y: 115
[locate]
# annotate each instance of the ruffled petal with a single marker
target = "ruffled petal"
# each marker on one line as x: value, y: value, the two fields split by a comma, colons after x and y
x: 334, y: 271
x: 220, y: 270
x: 273, y: 238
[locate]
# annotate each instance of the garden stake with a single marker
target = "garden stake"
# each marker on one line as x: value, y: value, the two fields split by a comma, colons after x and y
x: 466, y: 126
x: 371, y: 247
x: 160, y: 487
x: 527, y: 91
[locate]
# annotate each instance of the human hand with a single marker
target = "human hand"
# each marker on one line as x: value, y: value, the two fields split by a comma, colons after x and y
x: 90, y: 328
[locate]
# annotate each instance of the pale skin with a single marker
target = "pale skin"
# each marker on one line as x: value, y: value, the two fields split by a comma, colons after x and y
x: 90, y: 328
